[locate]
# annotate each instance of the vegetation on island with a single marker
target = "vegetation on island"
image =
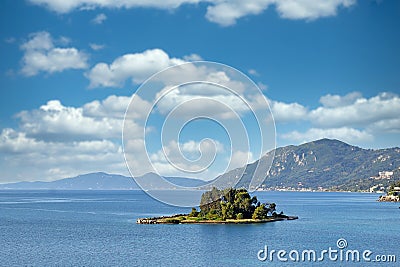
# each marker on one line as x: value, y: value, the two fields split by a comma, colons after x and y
x: 225, y: 206
x: 232, y: 204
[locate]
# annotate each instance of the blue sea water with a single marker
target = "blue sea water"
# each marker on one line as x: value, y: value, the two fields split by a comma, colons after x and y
x: 98, y: 228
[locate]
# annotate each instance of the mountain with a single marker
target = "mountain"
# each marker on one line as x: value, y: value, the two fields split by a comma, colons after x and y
x: 95, y: 181
x: 326, y: 163
x: 104, y: 181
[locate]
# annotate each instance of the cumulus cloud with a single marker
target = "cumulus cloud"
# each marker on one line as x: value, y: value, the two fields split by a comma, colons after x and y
x: 115, y: 107
x: 56, y: 141
x: 226, y: 13
x: 288, y: 112
x: 334, y: 101
x: 189, y: 105
x: 355, y: 110
x: 54, y: 121
x: 310, y: 9
x: 351, y: 118
x: 223, y: 12
x: 192, y: 57
x: 40, y: 55
x: 385, y: 126
x: 26, y: 158
x: 99, y: 19
x: 137, y: 67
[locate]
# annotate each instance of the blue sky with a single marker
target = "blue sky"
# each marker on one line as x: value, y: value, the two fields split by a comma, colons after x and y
x: 329, y: 69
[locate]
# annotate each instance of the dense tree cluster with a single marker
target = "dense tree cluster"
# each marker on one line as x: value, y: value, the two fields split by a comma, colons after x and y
x: 232, y: 204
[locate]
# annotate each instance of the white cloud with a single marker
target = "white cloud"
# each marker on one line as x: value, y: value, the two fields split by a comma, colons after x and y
x: 62, y: 6
x: 310, y: 9
x: 350, y: 118
x: 56, y: 141
x: 346, y: 134
x: 226, y: 13
x: 41, y: 55
x: 385, y: 126
x: 223, y: 12
x: 284, y: 112
x: 192, y: 57
x: 26, y: 158
x: 334, y: 101
x: 191, y: 158
x: 53, y: 121
x: 355, y: 110
x: 137, y: 67
x: 96, y: 47
x: 115, y: 107
x: 99, y: 19
x: 192, y: 104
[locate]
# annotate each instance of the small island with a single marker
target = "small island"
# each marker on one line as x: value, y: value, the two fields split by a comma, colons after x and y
x: 393, y: 194
x: 229, y: 206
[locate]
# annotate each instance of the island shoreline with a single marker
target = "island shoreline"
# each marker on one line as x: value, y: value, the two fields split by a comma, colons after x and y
x: 174, y: 219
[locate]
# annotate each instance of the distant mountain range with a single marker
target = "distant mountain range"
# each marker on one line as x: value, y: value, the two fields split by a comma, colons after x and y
x: 104, y: 181
x: 325, y: 163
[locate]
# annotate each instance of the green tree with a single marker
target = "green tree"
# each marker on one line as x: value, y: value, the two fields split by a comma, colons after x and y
x: 210, y: 200
x: 229, y: 195
x: 210, y: 196
x: 243, y: 204
x: 271, y: 208
x: 227, y: 210
x: 194, y: 213
x: 260, y: 213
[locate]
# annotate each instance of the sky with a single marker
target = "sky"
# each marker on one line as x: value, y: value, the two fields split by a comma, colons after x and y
x: 68, y: 70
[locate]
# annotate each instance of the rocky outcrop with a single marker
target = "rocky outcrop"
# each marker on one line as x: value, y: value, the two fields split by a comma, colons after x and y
x: 160, y: 220
x: 389, y: 198
x: 179, y: 219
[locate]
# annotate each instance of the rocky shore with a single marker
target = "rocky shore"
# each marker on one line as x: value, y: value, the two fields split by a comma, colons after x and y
x: 184, y: 219
x: 389, y: 198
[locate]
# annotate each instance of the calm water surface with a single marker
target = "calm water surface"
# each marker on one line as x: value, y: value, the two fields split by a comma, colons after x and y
x: 98, y: 228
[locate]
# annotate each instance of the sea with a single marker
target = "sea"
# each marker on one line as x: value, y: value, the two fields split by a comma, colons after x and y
x: 98, y: 228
